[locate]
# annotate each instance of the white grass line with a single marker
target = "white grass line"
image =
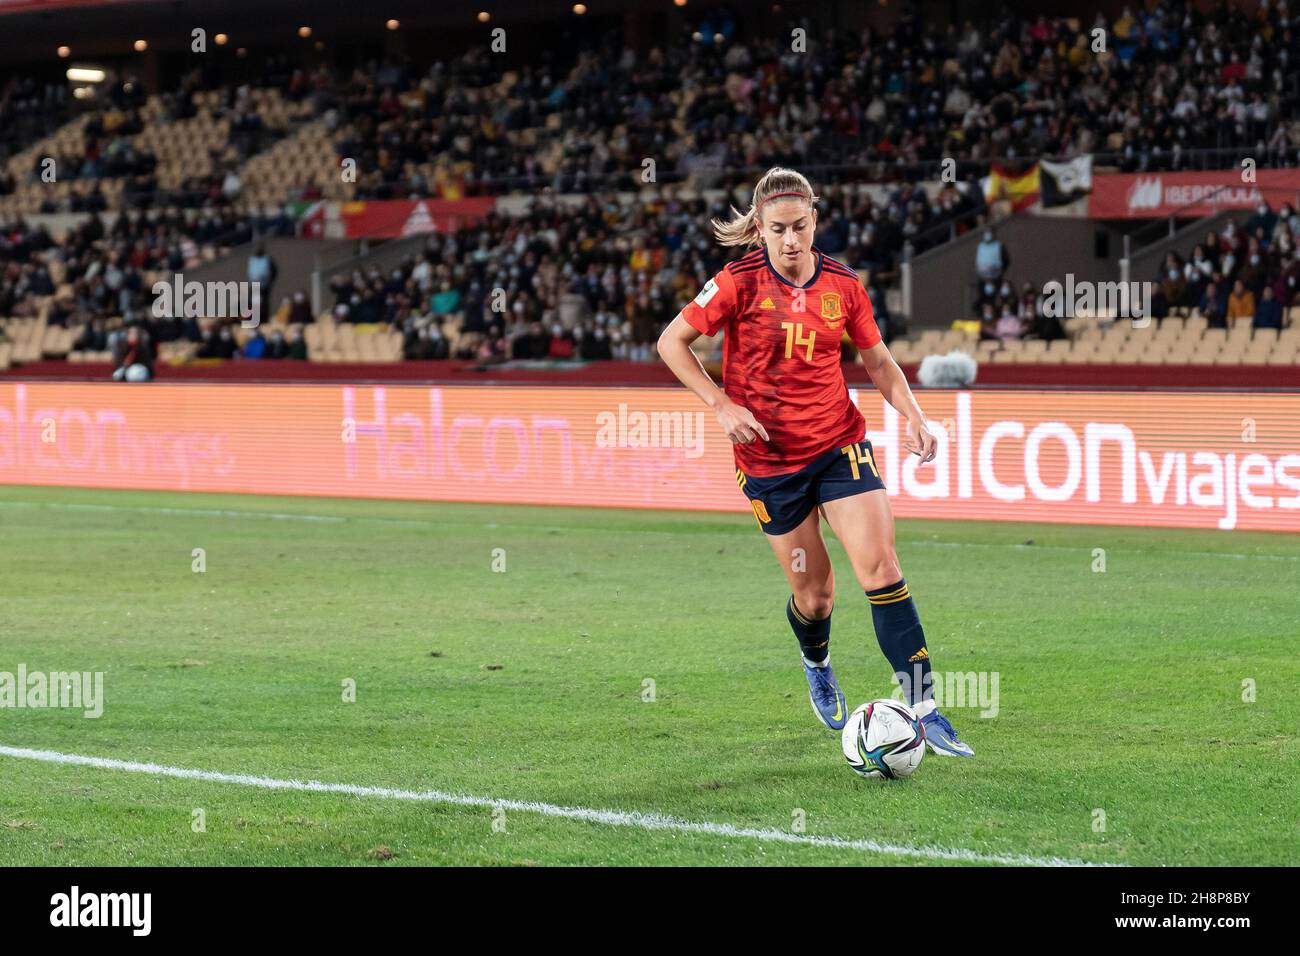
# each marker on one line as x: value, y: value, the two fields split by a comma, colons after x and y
x: 439, y: 523
x: 614, y: 818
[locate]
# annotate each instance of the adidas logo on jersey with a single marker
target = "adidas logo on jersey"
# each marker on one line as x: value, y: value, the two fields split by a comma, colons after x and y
x: 767, y: 303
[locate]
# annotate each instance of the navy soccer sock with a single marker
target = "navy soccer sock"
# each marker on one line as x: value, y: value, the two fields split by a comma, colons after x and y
x: 814, y: 636
x: 898, y: 630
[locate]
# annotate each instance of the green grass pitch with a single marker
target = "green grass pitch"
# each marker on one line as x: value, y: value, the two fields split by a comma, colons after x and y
x: 1122, y: 735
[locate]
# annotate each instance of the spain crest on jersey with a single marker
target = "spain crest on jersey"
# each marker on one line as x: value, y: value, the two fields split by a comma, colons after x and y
x: 832, y: 310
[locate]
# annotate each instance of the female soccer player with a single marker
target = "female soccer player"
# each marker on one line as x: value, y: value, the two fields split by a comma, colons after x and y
x: 799, y: 440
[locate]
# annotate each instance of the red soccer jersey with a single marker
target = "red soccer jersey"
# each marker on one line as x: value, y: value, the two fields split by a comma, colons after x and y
x: 781, y: 355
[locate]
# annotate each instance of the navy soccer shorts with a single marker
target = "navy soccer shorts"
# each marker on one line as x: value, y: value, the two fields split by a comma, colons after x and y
x: 782, y: 502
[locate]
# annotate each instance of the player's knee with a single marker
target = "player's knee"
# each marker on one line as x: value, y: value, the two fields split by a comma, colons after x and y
x: 815, y: 603
x: 880, y: 572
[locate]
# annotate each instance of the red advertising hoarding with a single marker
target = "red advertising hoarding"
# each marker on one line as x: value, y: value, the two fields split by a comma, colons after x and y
x: 1188, y: 459
x: 391, y: 218
x: 1196, y: 194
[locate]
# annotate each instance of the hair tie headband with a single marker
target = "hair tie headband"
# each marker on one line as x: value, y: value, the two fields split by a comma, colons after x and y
x: 779, y: 195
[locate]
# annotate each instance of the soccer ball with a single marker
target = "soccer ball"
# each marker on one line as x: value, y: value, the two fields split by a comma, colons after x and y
x: 883, y: 738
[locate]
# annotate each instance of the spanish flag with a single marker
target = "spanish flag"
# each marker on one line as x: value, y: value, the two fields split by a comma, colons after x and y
x: 1021, y: 188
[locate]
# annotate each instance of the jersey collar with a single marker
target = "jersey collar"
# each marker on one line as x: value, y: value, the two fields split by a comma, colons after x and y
x: 817, y: 273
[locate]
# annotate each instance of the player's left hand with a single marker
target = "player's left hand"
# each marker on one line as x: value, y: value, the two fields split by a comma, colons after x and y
x: 920, y: 441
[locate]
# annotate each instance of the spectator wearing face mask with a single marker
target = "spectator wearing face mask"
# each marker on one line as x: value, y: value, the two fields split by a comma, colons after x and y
x: 1287, y: 284
x: 561, y: 345
x: 439, y: 347
x: 1214, y: 305
x: 991, y: 259
x: 300, y: 310
x: 1173, y: 284
x: 297, y: 349
x: 255, y: 347
x: 446, y: 301
x: 1028, y: 306
x: 1007, y: 298
x: 1228, y: 260
x: 1288, y: 218
x: 986, y: 295
x: 1253, y: 269
x: 1231, y: 238
x: 275, y: 345
x: 1197, y: 272
x: 619, y: 349
x: 1283, y: 241
x: 219, y: 344
x: 262, y: 270
x: 1241, y: 303
x: 1263, y: 218
x: 539, y: 341
x: 1036, y: 323
x: 416, y: 346
x: 600, y: 349
x: 1009, y: 327
x: 1268, y: 312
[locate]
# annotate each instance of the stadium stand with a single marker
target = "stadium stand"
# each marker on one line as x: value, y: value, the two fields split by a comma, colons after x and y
x: 167, y: 150
x: 594, y: 271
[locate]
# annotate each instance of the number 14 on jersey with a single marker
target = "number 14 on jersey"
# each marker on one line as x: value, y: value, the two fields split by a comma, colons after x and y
x: 794, y: 336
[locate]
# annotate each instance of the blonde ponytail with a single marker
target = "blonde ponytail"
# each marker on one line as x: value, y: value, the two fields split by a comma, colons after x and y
x: 743, y: 228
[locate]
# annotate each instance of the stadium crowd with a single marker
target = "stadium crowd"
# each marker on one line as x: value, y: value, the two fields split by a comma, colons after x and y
x: 597, y: 281
x: 600, y: 279
x: 720, y: 101
x: 1170, y: 81
x: 1248, y: 273
x: 106, y: 266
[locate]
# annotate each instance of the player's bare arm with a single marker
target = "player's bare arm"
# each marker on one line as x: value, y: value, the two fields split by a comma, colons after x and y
x: 892, y: 383
x: 675, y: 350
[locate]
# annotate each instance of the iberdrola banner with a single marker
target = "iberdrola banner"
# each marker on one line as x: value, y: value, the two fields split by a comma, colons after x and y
x: 1191, y: 194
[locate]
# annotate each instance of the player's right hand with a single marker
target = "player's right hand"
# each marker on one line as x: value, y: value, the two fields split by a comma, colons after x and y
x: 739, y: 424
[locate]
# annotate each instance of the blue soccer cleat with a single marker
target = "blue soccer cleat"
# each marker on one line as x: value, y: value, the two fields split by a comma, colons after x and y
x: 825, y: 695
x: 941, y: 738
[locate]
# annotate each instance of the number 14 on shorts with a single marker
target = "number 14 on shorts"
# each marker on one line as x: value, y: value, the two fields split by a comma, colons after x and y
x: 858, y: 457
